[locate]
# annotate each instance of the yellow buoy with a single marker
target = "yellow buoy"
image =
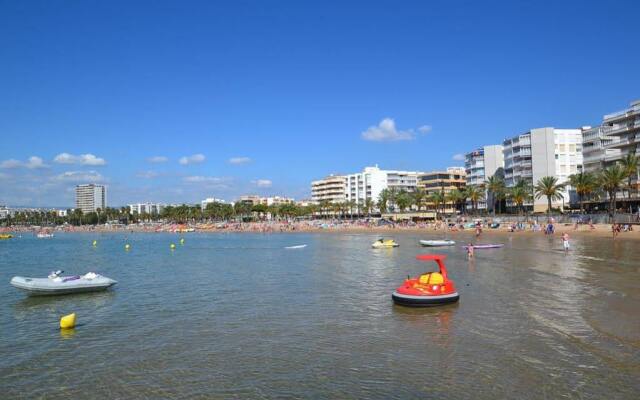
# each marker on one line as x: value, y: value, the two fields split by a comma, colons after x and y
x: 68, y: 321
x: 172, y: 246
x: 182, y: 241
x: 127, y: 246
x: 95, y: 243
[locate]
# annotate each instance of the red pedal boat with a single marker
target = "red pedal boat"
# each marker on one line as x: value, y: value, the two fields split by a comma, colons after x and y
x: 428, y: 289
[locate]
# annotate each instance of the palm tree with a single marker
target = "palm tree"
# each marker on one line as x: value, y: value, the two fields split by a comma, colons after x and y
x: 383, y: 200
x: 368, y: 206
x: 584, y: 183
x: 437, y: 199
x: 403, y: 200
x: 495, y: 185
x: 351, y: 205
x: 548, y: 186
x: 611, y: 179
x: 519, y: 194
x: 474, y: 194
x: 419, y: 196
x: 456, y: 197
x: 630, y: 167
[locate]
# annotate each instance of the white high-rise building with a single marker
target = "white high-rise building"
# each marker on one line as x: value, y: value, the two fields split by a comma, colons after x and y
x: 91, y: 197
x: 624, y: 127
x: 331, y: 189
x: 146, y: 208
x: 210, y: 200
x: 369, y: 183
x: 483, y: 163
x: 543, y: 152
x: 597, y: 148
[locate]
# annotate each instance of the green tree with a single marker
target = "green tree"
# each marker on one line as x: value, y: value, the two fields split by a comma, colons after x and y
x: 548, y: 187
x: 475, y: 194
x: 403, y: 200
x: 629, y: 165
x: 611, y: 180
x: 519, y: 194
x: 495, y: 185
x: 419, y: 196
x: 584, y: 183
x: 368, y: 206
x: 383, y: 200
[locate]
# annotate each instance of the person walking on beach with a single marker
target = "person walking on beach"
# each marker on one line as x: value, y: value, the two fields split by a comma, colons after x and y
x: 470, y: 250
x: 565, y: 241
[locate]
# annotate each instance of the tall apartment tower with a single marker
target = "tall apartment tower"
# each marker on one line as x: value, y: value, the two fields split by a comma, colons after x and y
x: 624, y: 127
x: 543, y: 152
x: 90, y: 197
x: 481, y: 164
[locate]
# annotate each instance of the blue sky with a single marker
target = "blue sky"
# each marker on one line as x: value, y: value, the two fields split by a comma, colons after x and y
x: 262, y: 97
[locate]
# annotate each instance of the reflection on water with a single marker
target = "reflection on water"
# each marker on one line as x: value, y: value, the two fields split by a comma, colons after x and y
x: 239, y: 316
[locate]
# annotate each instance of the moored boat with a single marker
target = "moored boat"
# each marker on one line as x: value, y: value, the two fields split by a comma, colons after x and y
x: 436, y: 243
x: 429, y: 288
x: 58, y: 285
x: 5, y: 236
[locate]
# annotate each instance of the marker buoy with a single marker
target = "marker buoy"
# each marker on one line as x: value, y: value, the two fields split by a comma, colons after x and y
x: 172, y: 246
x: 127, y: 246
x: 95, y: 243
x: 68, y: 321
x: 182, y: 241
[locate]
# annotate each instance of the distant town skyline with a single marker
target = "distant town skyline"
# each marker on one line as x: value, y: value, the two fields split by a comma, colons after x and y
x: 176, y: 103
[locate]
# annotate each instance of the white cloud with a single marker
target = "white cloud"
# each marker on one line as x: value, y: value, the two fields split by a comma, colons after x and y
x: 147, y: 174
x: 458, y: 157
x: 32, y: 163
x: 262, y: 183
x: 211, y: 182
x: 239, y: 160
x: 386, y: 131
x: 35, y: 162
x: 424, y: 129
x: 82, y: 159
x: 80, y: 176
x: 194, y: 159
x: 11, y: 163
x: 157, y: 159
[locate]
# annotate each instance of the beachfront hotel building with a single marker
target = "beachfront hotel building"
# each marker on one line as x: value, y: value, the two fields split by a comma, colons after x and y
x: 146, y: 208
x: 481, y: 164
x: 597, y: 149
x: 369, y: 183
x: 443, y: 182
x: 330, y: 189
x: 624, y: 126
x: 543, y: 152
x: 210, y: 200
x: 267, y: 201
x: 91, y: 197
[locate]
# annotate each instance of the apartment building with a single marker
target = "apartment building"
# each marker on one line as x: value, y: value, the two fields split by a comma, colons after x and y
x: 481, y: 164
x: 625, y: 127
x: 443, y: 182
x: 331, y: 189
x: 146, y: 208
x: 597, y: 148
x: 543, y: 152
x: 91, y: 197
x: 369, y: 183
x: 267, y: 201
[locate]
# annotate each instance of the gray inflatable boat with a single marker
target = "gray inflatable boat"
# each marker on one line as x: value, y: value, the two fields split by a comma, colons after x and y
x: 57, y: 285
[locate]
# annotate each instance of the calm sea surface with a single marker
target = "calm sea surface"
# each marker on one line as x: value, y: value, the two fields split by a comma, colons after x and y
x: 238, y: 316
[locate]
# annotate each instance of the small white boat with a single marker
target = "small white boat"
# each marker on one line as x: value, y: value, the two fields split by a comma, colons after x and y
x: 436, y: 243
x: 57, y: 285
x: 300, y: 246
x: 43, y: 235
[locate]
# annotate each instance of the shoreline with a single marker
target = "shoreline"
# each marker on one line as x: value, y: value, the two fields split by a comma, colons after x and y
x: 598, y: 231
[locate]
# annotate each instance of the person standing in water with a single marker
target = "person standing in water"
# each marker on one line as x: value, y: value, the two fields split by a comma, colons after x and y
x: 470, y: 250
x: 565, y: 241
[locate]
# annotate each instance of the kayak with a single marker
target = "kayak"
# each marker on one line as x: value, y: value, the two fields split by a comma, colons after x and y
x: 300, y: 246
x: 429, y: 288
x: 57, y: 285
x: 486, y: 246
x: 381, y: 244
x: 5, y: 236
x: 434, y: 243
